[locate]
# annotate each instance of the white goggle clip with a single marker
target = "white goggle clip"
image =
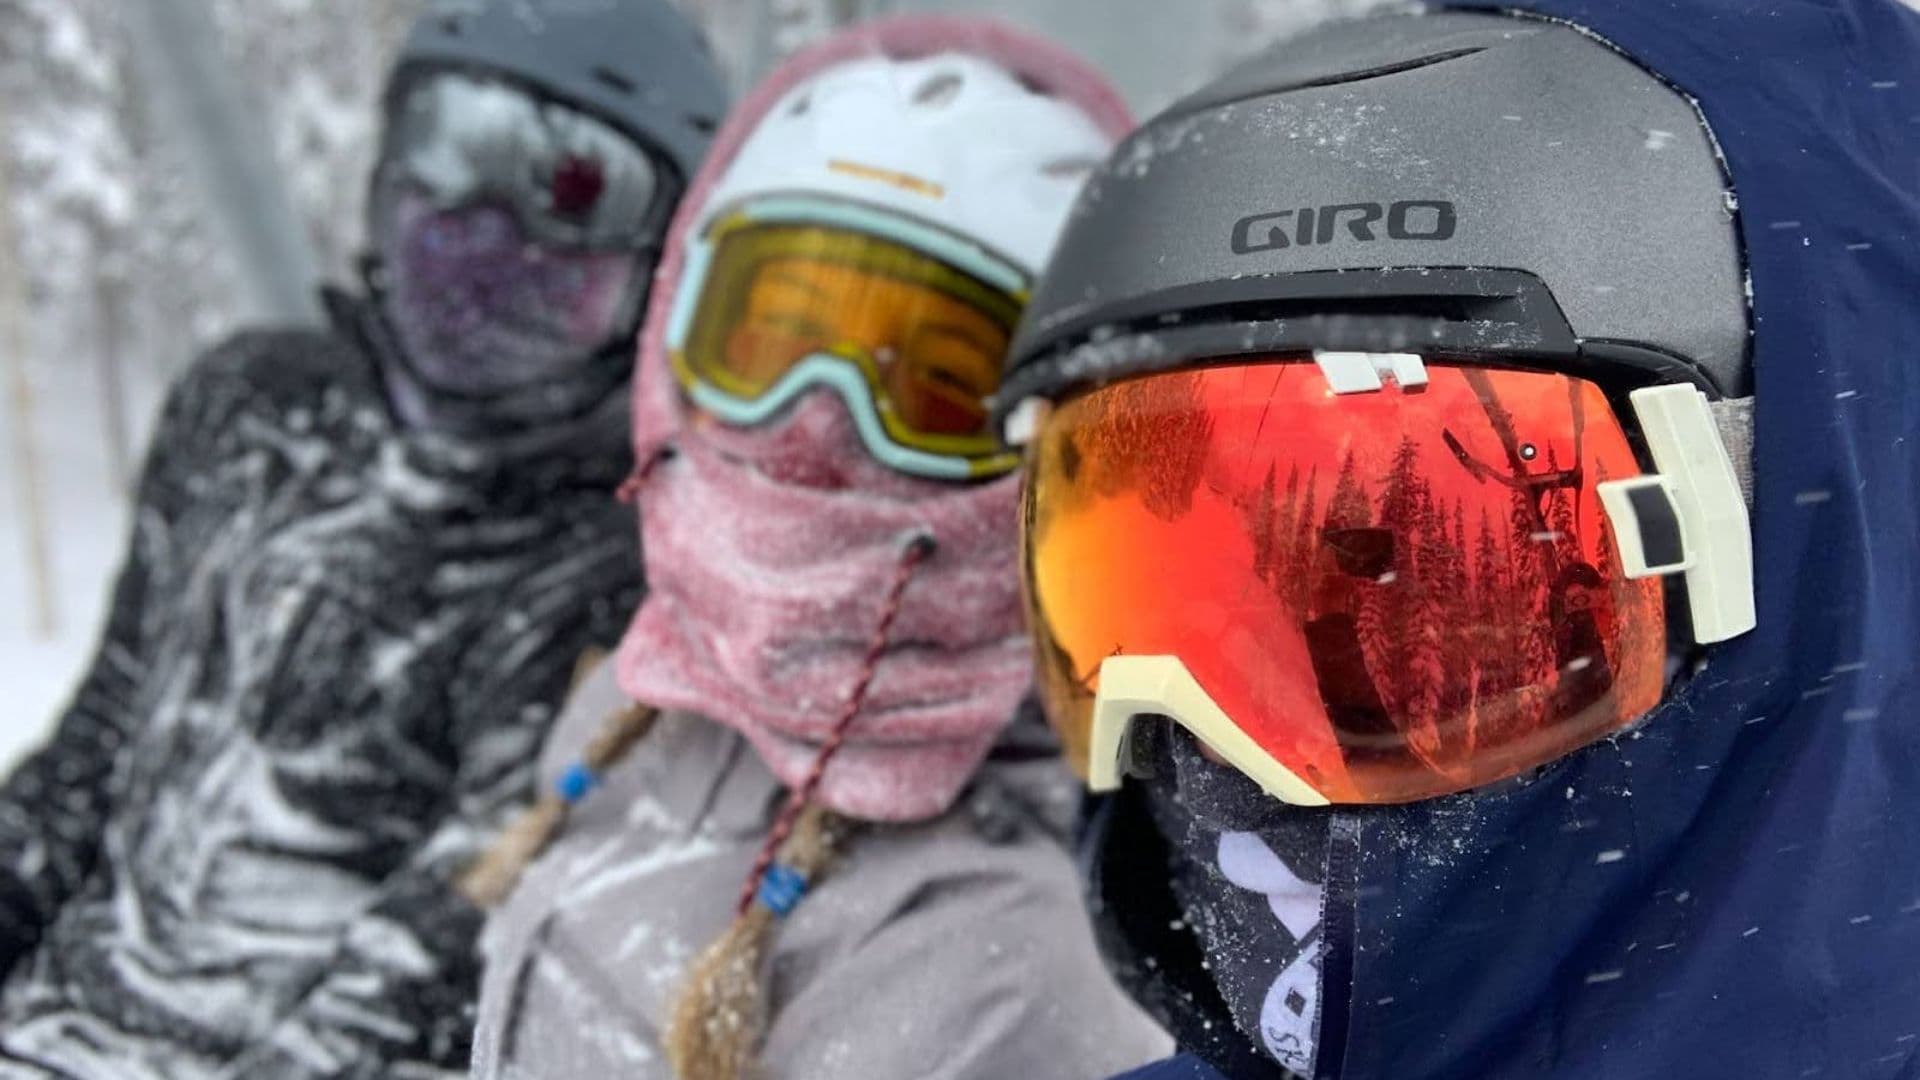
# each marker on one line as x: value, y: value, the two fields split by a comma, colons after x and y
x: 1690, y: 517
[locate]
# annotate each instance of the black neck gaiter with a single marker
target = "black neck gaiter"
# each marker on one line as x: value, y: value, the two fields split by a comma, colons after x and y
x: 1249, y: 871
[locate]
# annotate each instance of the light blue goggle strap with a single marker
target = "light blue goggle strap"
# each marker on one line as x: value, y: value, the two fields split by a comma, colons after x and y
x: 845, y: 379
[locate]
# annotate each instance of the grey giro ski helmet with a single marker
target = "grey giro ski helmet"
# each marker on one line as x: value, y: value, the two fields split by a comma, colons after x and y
x: 1492, y: 182
x: 1379, y: 398
x: 533, y: 153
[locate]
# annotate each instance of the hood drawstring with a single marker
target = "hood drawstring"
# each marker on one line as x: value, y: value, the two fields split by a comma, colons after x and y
x: 918, y: 549
x: 629, y: 488
x: 718, y: 1021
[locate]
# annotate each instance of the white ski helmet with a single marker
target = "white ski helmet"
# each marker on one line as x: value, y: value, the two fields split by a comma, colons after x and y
x: 912, y: 137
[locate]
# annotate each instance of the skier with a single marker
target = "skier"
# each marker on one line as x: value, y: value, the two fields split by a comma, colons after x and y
x: 832, y: 639
x: 364, y: 565
x: 1410, y: 610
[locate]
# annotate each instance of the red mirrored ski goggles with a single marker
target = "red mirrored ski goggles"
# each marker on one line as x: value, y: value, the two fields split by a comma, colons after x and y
x: 1359, y: 589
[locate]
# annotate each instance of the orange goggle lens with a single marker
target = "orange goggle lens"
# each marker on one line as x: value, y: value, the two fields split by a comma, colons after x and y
x: 1394, y: 595
x: 929, y: 339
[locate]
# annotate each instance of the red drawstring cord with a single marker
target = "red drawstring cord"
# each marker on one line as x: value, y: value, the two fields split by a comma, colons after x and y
x: 629, y: 488
x: 918, y: 549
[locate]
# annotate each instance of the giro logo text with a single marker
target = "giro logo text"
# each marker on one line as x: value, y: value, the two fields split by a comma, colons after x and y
x: 1409, y: 219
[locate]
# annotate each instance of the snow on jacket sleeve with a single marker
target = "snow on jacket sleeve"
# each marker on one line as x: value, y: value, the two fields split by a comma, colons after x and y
x: 54, y: 805
x: 398, y: 997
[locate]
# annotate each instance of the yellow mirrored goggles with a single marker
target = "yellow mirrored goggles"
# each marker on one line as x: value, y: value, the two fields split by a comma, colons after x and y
x: 913, y: 344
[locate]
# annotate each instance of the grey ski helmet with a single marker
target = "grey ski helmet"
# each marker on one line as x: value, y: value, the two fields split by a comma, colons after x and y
x: 640, y: 65
x: 1508, y: 199
x: 1449, y: 182
x: 583, y: 119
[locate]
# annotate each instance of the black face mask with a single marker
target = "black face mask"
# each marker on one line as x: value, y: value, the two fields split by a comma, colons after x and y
x: 1250, y: 872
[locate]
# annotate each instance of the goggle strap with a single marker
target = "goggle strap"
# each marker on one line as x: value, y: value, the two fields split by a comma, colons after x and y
x: 1689, y: 518
x: 841, y: 377
x: 1134, y: 685
x: 1733, y: 418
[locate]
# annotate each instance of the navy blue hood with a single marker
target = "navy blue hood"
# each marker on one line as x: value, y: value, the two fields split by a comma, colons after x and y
x: 1733, y: 889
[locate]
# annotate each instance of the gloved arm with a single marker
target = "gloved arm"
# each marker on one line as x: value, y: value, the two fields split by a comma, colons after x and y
x: 398, y: 997
x: 54, y: 805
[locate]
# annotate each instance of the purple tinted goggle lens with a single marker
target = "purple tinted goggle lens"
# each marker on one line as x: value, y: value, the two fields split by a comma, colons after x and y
x: 571, y: 180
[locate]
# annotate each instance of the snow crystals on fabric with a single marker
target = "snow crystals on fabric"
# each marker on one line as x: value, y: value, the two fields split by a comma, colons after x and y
x: 307, y: 713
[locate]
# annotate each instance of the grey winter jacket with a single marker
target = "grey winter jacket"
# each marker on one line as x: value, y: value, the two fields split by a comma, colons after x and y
x: 329, y: 662
x: 953, y: 948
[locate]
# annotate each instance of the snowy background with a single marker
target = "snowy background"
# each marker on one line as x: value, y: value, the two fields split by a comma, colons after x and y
x: 171, y: 171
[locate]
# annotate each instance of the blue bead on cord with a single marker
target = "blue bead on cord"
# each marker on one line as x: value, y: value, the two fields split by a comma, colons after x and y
x: 574, y: 784
x: 781, y: 888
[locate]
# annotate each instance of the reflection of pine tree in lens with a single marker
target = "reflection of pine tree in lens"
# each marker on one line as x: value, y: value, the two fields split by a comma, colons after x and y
x: 1425, y: 672
x: 1458, y: 595
x: 1621, y: 639
x: 1166, y: 413
x: 1283, y: 527
x: 1350, y: 507
x: 1452, y: 598
x: 1306, y: 533
x: 1486, y: 629
x: 1293, y: 576
x: 1560, y: 518
x: 1390, y: 629
x: 1264, y: 529
x: 1528, y: 599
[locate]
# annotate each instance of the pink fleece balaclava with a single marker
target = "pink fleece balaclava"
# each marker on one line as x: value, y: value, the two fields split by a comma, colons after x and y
x: 771, y: 550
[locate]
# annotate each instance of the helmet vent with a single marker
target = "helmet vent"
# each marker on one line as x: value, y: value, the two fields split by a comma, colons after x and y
x: 1068, y: 168
x: 705, y: 125
x: 939, y: 89
x: 453, y: 25
x: 614, y: 79
x: 800, y: 105
x: 1384, y: 70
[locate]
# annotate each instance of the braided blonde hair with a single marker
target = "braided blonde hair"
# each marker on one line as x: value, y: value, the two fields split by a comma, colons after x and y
x: 492, y: 878
x: 720, y: 1017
